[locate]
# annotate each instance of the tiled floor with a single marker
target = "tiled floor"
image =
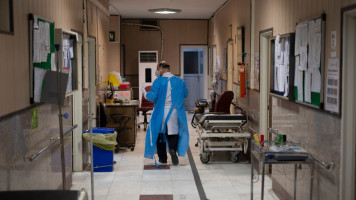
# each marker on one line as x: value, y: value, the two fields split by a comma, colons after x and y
x: 221, y: 179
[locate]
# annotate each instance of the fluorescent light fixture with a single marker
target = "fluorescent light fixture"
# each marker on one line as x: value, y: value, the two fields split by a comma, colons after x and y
x: 165, y: 11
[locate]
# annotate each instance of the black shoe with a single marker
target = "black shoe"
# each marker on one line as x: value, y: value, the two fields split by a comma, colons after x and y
x: 163, y: 161
x: 174, y: 156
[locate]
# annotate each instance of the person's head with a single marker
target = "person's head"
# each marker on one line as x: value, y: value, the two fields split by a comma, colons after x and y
x: 162, y: 68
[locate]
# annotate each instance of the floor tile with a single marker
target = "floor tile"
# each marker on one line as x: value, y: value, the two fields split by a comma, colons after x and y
x: 156, y: 187
x: 124, y: 197
x: 156, y: 177
x: 182, y: 175
x: 186, y: 197
x: 184, y: 187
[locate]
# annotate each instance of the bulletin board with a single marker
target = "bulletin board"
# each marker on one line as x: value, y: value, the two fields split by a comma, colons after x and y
x: 42, y: 53
x: 282, y: 66
x: 67, y: 60
x: 309, y: 61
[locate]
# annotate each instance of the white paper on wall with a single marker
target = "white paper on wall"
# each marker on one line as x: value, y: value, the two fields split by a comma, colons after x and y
x: 47, y: 38
x: 307, y: 86
x: 276, y: 80
x: 316, y: 81
x: 304, y: 34
x: 317, y: 50
x: 303, y: 65
x: 333, y: 86
x: 333, y: 44
x: 36, y: 46
x: 278, y: 50
x: 53, y: 62
x: 298, y: 40
x: 298, y: 80
x: 317, y: 26
x: 38, y: 82
x: 286, y: 53
x: 281, y: 77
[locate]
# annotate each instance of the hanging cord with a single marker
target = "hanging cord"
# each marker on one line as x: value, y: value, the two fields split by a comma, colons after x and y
x: 157, y: 27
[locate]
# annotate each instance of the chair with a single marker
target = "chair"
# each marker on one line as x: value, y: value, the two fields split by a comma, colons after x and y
x: 224, y: 102
x: 144, y: 108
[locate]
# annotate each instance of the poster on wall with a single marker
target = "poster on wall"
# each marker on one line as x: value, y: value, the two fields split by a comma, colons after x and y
x: 333, y: 86
x: 333, y: 44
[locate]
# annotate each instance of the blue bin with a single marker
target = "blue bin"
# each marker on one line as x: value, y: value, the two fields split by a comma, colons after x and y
x: 101, y: 130
x: 103, y: 160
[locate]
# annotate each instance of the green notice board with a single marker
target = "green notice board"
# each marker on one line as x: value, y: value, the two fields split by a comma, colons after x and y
x: 309, y: 61
x: 42, y: 53
x: 47, y: 64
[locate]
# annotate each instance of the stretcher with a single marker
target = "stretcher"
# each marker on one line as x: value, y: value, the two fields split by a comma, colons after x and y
x: 221, y: 132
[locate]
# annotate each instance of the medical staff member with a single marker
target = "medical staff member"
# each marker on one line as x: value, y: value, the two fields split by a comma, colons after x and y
x: 168, y: 120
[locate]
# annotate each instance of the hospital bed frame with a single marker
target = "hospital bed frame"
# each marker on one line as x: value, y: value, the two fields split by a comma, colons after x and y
x: 221, y: 132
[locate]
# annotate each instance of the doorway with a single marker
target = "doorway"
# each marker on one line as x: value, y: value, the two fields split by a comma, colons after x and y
x: 194, y: 72
x: 348, y: 110
x: 265, y: 101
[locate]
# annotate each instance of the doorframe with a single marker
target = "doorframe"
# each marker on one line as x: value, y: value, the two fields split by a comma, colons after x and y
x: 348, y: 109
x: 265, y: 104
x: 205, y: 67
x: 78, y: 109
x: 230, y: 65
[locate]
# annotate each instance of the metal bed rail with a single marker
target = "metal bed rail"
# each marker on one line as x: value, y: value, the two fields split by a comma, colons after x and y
x: 326, y: 165
x: 54, y: 142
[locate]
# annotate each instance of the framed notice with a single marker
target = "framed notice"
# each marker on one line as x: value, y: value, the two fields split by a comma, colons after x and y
x: 332, y: 90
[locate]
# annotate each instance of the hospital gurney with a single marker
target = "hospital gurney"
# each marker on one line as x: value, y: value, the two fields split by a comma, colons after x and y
x: 221, y: 132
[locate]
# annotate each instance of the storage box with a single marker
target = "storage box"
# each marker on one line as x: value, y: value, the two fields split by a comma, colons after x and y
x: 125, y: 85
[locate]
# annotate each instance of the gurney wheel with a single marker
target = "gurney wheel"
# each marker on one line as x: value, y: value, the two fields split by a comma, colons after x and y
x: 235, y: 158
x: 205, y: 159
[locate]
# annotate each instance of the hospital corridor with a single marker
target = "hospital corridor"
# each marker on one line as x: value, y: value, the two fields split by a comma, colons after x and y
x: 177, y: 100
x: 135, y: 177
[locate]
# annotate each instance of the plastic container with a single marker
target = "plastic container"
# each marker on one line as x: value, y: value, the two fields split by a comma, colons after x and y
x: 125, y: 85
x: 103, y: 160
x: 101, y: 130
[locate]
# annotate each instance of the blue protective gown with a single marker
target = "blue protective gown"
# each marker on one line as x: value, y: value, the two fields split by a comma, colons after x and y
x: 157, y: 95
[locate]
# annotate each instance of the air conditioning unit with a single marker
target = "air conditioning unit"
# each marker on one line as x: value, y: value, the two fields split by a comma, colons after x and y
x: 147, y: 65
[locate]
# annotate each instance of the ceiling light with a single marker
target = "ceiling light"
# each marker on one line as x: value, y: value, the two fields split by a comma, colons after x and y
x: 165, y: 11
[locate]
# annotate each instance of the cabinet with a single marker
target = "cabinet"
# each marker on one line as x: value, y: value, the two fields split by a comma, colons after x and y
x: 127, y: 130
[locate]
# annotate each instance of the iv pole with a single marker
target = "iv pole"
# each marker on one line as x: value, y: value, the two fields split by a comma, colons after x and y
x: 60, y: 116
x: 91, y: 131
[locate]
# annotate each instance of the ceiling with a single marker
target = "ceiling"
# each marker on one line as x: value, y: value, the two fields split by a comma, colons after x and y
x: 191, y: 9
